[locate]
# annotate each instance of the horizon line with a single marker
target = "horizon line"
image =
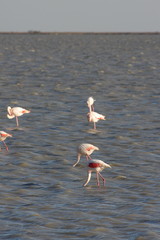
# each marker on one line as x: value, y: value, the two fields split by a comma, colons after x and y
x: 77, y: 32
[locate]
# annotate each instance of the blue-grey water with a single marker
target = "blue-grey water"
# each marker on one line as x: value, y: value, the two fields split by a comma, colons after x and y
x: 41, y: 194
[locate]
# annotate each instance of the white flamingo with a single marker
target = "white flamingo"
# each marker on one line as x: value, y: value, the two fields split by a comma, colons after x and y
x: 85, y: 149
x: 16, y: 112
x: 97, y: 166
x: 3, y: 136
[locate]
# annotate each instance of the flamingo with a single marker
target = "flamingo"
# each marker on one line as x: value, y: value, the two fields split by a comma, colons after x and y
x: 90, y: 102
x: 3, y: 136
x: 95, y: 117
x: 85, y: 149
x: 96, y: 166
x: 16, y: 112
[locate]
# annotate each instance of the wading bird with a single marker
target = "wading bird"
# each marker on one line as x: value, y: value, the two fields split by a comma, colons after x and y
x: 85, y: 149
x: 16, y: 112
x: 3, y: 136
x: 97, y: 166
x: 95, y: 117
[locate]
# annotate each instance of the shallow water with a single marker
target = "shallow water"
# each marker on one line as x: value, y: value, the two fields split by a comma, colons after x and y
x: 53, y: 75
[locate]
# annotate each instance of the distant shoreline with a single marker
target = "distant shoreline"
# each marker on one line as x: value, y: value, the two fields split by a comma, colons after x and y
x: 85, y: 33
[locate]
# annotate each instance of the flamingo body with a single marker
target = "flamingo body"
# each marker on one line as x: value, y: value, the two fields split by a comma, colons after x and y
x: 85, y: 149
x: 3, y: 136
x: 94, y: 165
x: 16, y: 112
x: 97, y: 166
x: 95, y: 117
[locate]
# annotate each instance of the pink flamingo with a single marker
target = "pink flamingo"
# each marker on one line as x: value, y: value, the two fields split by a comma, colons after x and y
x: 85, y: 149
x: 16, y: 112
x: 90, y: 103
x: 95, y: 117
x: 3, y: 136
x: 96, y: 166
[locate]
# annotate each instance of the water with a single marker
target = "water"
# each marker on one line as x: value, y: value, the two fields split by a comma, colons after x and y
x: 53, y: 75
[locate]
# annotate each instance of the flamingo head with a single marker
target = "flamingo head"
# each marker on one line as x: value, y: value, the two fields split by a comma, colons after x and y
x: 90, y: 103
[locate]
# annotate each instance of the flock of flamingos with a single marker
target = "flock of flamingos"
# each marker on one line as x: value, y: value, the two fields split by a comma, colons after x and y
x: 84, y: 149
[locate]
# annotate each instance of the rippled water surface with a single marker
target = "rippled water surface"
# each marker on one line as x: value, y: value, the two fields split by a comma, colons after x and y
x: 53, y: 75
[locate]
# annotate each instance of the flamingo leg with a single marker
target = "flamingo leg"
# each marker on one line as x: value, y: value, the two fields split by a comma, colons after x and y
x: 94, y: 126
x: 5, y: 146
x: 97, y: 176
x: 103, y: 179
x: 89, y: 157
x: 17, y: 121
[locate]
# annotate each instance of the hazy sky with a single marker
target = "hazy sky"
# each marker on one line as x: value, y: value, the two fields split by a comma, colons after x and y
x: 80, y: 15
